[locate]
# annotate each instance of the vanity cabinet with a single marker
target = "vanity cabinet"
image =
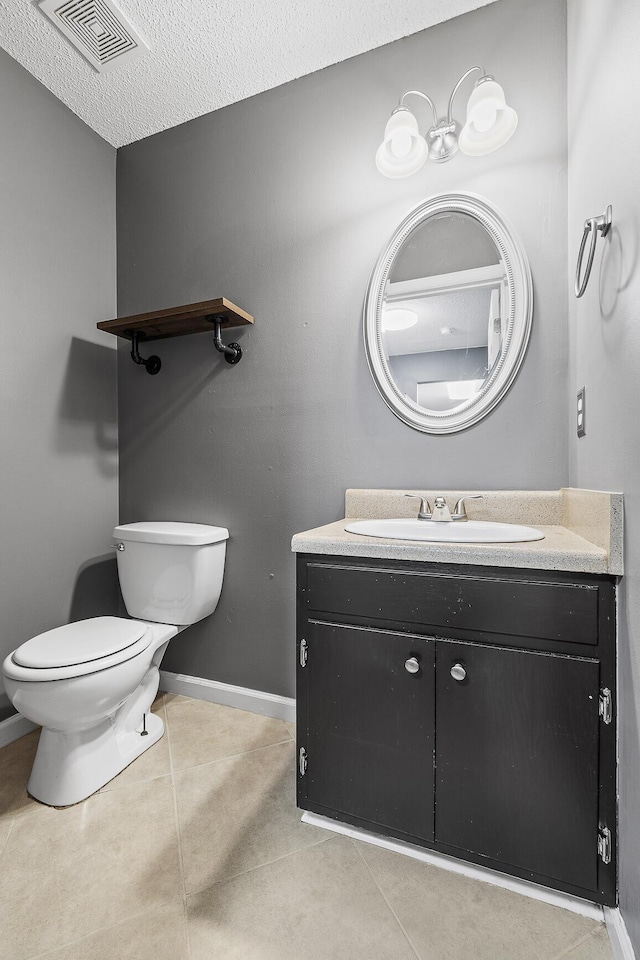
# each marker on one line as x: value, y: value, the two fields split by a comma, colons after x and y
x: 465, y: 709
x: 370, y: 726
x: 517, y: 759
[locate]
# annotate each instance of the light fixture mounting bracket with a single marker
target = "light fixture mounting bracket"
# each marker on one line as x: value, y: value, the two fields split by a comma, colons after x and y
x: 442, y: 140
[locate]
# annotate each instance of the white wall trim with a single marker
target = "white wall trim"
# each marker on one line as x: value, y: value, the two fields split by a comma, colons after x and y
x: 256, y: 701
x: 621, y: 945
x: 14, y: 727
x: 524, y: 887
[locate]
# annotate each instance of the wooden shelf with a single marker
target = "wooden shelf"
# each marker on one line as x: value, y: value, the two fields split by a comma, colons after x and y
x: 177, y: 321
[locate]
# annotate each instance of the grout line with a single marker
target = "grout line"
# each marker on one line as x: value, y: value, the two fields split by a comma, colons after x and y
x: 12, y: 824
x: 259, y: 866
x: 235, y: 756
x: 167, y: 729
x: 187, y: 936
x: 382, y: 894
x: 123, y: 786
x: 574, y: 946
x: 93, y: 933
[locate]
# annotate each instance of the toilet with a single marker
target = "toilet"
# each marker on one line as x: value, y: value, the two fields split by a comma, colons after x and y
x: 90, y: 684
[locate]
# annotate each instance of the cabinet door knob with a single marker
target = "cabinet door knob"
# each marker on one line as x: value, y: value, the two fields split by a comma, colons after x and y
x: 458, y: 672
x: 411, y: 665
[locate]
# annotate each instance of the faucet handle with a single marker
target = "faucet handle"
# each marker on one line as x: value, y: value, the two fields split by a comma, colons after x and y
x: 459, y: 512
x: 425, y: 508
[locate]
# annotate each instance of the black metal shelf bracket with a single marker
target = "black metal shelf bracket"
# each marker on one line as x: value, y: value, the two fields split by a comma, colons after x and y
x: 232, y: 353
x: 151, y: 364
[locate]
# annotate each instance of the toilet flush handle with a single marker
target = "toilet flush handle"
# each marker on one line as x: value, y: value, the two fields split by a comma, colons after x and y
x: 118, y: 546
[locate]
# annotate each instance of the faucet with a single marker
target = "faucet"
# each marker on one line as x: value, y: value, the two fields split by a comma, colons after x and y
x: 441, y: 512
x: 425, y: 508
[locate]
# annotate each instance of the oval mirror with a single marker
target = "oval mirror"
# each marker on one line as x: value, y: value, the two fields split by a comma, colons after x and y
x: 448, y: 313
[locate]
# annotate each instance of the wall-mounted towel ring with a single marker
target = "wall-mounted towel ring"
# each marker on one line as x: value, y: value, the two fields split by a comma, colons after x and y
x: 594, y: 226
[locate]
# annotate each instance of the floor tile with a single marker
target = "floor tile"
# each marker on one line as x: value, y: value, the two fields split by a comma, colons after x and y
x: 451, y: 917
x: 70, y: 872
x: 238, y: 813
x: 317, y: 904
x: 201, y: 732
x: 596, y: 947
x: 150, y: 765
x: 156, y: 935
x: 102, y: 879
x: 16, y: 760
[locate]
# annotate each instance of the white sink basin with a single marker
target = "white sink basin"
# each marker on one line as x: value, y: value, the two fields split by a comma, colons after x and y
x: 471, y: 531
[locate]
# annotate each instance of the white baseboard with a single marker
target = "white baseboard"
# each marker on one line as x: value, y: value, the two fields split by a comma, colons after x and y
x: 524, y: 887
x: 14, y: 727
x: 621, y: 945
x: 256, y: 701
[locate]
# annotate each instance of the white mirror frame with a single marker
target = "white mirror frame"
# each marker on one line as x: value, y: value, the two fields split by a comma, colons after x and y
x: 519, y: 299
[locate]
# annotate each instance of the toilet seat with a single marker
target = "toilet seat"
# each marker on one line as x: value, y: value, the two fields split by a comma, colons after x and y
x: 77, y: 649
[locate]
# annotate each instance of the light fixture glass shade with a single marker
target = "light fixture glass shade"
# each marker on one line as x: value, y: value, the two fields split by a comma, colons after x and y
x: 398, y: 318
x: 403, y: 151
x: 490, y: 122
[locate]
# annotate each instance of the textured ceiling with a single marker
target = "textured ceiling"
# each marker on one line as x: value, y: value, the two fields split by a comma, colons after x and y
x: 206, y: 54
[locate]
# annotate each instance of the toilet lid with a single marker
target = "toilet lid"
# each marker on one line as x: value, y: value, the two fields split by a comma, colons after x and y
x: 79, y: 642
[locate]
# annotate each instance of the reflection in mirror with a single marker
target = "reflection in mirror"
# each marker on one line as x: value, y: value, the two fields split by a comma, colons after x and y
x: 442, y: 311
x: 448, y: 313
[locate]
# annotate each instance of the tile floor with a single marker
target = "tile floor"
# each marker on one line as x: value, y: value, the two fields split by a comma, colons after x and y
x: 197, y: 851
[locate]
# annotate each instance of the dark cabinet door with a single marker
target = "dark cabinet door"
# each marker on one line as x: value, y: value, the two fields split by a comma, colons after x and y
x: 367, y: 726
x: 517, y: 759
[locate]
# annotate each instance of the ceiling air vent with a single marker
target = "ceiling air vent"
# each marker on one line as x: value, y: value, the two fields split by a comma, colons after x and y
x: 97, y: 29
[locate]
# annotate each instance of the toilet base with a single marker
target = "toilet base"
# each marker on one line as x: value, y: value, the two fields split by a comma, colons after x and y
x: 69, y: 767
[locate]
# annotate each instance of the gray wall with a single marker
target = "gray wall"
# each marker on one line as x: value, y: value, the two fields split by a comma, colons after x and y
x: 58, y: 427
x: 605, y: 343
x: 275, y: 202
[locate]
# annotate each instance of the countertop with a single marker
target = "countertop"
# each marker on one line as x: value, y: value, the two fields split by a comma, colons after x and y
x: 563, y: 548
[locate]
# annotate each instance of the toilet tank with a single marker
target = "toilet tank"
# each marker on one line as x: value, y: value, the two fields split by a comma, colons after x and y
x: 170, y: 572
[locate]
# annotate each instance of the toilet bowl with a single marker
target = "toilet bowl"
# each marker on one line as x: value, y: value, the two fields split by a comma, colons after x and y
x: 90, y: 684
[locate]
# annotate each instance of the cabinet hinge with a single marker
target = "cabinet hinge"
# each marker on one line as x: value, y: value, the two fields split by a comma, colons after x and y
x: 302, y: 761
x: 604, y: 844
x: 304, y: 653
x: 606, y: 705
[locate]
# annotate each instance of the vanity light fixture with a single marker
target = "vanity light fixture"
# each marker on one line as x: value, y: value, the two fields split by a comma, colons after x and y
x: 490, y: 123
